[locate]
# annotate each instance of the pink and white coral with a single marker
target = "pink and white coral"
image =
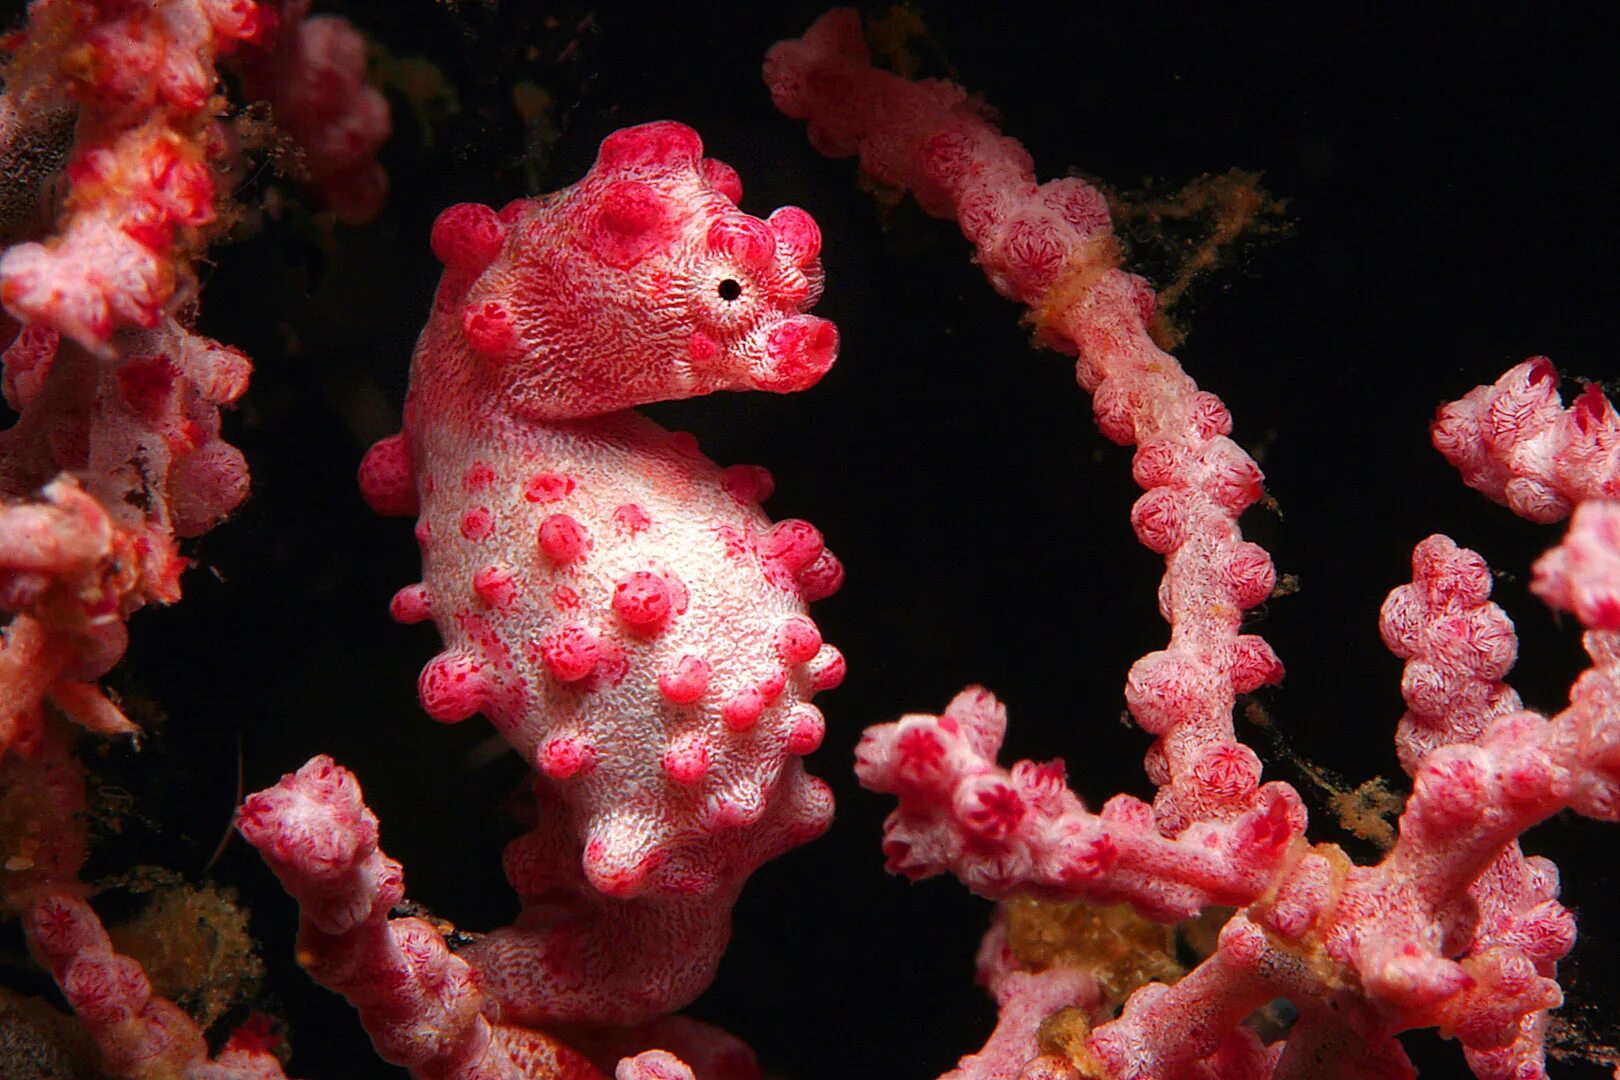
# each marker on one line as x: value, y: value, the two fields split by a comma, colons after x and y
x: 142, y: 79
x: 125, y: 454
x: 117, y: 451
x: 1454, y: 927
x: 150, y: 151
x: 312, y: 71
x: 1516, y: 442
x: 141, y: 1035
x: 422, y: 1005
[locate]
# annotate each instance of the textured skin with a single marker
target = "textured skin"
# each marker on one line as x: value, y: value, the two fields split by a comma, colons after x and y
x: 613, y: 601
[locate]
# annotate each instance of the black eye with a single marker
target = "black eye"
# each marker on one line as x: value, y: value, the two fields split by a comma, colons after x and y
x: 730, y: 289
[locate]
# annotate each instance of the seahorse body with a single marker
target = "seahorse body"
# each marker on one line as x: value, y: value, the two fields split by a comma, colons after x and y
x: 615, y: 603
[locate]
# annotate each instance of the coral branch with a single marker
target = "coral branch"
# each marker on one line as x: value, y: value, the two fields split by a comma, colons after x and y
x: 422, y: 1006
x: 1582, y: 575
x: 139, y: 427
x: 1515, y: 441
x: 314, y: 77
x: 141, y: 1035
x: 1050, y: 247
x: 1014, y: 1050
x: 1004, y: 831
x: 1454, y: 928
x: 143, y: 82
x: 653, y: 1065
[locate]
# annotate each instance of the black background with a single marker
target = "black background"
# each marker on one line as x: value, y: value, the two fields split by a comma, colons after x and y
x: 1449, y: 186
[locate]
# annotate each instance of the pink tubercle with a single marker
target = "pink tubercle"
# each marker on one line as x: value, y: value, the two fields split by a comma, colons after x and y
x: 477, y: 523
x: 452, y: 687
x: 467, y: 237
x: 612, y: 874
x: 490, y: 328
x: 791, y: 544
x: 686, y: 680
x: 722, y: 178
x: 411, y: 605
x: 701, y: 347
x: 387, y: 478
x: 742, y: 709
x: 823, y: 577
x: 570, y: 654
x: 806, y: 728
x: 747, y: 483
x: 687, y: 758
x: 547, y: 487
x: 643, y: 600
x: 798, y: 640
x: 495, y: 586
x: 771, y: 686
x: 631, y: 519
x: 565, y: 756
x: 562, y: 539
x: 828, y: 669
x: 798, y: 232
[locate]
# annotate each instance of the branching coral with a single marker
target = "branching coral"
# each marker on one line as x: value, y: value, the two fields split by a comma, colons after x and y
x: 116, y: 454
x: 653, y: 672
x: 1454, y: 927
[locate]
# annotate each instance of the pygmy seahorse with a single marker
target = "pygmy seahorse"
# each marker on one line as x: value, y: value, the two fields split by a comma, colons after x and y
x: 617, y: 604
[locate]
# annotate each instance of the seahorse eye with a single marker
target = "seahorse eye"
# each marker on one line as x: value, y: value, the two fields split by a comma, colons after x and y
x: 730, y: 289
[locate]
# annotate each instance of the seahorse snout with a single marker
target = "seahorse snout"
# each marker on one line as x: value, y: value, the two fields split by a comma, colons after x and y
x: 798, y: 353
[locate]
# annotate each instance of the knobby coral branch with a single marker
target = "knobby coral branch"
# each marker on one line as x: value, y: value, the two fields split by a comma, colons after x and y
x: 1050, y: 247
x: 142, y: 81
x: 313, y: 75
x: 1516, y: 442
x: 115, y: 162
x: 117, y: 452
x: 422, y: 1006
x: 1454, y: 928
x: 1011, y: 831
x: 149, y: 152
x: 126, y: 455
x: 141, y: 1035
x: 635, y: 626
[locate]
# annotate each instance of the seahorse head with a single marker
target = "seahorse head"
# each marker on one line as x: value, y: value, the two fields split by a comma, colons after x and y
x: 642, y: 282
